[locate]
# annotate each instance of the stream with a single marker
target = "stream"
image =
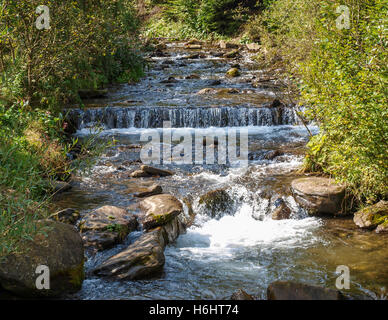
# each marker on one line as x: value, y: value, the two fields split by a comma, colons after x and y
x: 241, y: 246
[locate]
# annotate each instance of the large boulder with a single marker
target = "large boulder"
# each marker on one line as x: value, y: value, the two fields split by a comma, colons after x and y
x: 288, y: 290
x: 59, y: 247
x: 106, y: 226
x: 319, y: 195
x: 372, y: 216
x: 159, y: 210
x: 141, y: 260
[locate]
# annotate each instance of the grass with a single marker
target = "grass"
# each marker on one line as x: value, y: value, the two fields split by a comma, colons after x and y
x: 33, y: 150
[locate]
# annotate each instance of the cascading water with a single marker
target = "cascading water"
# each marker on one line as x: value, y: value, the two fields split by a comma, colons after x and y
x: 200, y: 117
x: 239, y: 246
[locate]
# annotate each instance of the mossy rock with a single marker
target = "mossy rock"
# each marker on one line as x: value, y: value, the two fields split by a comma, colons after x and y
x: 159, y: 210
x: 232, y: 73
x: 383, y: 227
x: 57, y: 246
x: 216, y: 202
x: 372, y: 216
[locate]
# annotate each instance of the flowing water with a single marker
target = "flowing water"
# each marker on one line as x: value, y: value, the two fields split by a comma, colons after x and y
x: 241, y: 247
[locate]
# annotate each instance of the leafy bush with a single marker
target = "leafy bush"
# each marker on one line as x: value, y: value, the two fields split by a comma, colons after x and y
x: 30, y: 156
x: 89, y: 44
x: 209, y: 17
x: 341, y: 76
x: 33, y: 156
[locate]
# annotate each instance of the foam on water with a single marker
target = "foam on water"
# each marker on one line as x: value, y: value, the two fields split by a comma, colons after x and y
x: 269, y: 132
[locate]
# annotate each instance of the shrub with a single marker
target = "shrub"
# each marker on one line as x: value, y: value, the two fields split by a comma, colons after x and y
x: 340, y: 75
x: 88, y: 44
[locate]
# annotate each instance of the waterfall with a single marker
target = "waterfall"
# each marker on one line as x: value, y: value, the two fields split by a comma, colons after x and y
x: 199, y: 117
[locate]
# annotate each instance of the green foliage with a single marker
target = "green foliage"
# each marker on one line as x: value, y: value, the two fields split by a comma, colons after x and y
x: 202, y: 19
x: 23, y: 178
x: 346, y: 88
x: 33, y: 155
x: 89, y: 44
x: 341, y: 76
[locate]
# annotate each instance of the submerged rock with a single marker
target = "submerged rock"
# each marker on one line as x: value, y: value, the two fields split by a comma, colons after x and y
x: 141, y: 260
x: 61, y: 251
x: 159, y: 210
x: 241, y: 295
x: 282, y: 211
x: 215, y: 83
x: 273, y: 154
x: 169, y: 80
x: 156, y: 171
x: 192, y: 76
x: 319, y: 195
x: 107, y: 226
x: 92, y: 93
x: 288, y: 290
x: 150, y: 191
x: 68, y: 215
x: 373, y: 216
x: 217, y: 91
